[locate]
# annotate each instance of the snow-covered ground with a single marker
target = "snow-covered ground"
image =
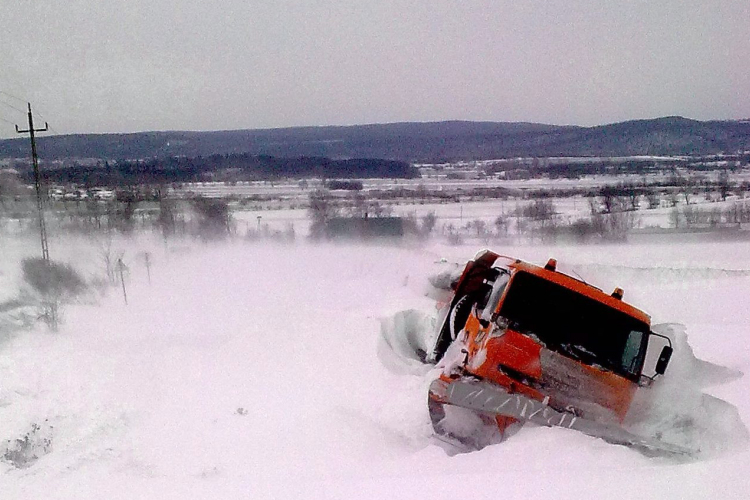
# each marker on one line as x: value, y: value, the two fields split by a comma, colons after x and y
x: 256, y: 371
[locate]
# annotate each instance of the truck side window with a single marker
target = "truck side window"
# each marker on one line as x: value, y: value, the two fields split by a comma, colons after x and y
x: 497, y: 291
x: 630, y: 355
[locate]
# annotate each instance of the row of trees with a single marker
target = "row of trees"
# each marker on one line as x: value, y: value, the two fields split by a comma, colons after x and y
x: 692, y: 216
x: 228, y: 168
x: 537, y: 219
x: 207, y: 218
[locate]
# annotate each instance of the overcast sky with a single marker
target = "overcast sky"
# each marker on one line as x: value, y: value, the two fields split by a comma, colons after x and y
x: 134, y: 65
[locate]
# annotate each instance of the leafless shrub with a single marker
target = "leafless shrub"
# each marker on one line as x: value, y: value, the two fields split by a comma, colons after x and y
x: 614, y: 226
x: 455, y: 238
x: 452, y: 235
x: 22, y: 452
x: 52, y: 280
x: 712, y: 216
x: 287, y: 235
x: 583, y: 230
x: 109, y: 256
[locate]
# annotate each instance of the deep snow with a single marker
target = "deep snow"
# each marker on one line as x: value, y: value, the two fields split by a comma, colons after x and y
x: 258, y: 371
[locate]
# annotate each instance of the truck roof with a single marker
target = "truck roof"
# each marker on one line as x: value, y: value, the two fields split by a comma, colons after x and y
x: 583, y: 288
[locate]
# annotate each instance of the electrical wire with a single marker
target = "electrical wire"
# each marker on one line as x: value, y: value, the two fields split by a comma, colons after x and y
x: 7, y: 121
x: 22, y: 101
x: 12, y: 124
x: 49, y: 127
x: 23, y: 112
x: 13, y: 107
x: 36, y: 113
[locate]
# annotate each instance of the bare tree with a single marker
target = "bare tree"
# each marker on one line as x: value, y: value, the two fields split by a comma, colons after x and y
x: 214, y: 217
x: 322, y: 209
x: 167, y: 220
x: 609, y: 197
x: 724, y: 184
x: 630, y: 190
x: 502, y: 223
x: 687, y: 188
x: 428, y: 224
x: 358, y: 206
x: 691, y: 215
x: 121, y: 218
x: 10, y: 186
x: 672, y: 198
x: 109, y: 256
x: 674, y: 217
x: 653, y: 199
x: 480, y: 227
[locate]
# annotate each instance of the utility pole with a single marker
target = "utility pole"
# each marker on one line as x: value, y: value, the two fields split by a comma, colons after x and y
x: 51, y: 306
x: 37, y: 181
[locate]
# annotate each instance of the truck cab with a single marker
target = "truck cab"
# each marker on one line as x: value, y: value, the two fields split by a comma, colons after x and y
x: 552, y: 337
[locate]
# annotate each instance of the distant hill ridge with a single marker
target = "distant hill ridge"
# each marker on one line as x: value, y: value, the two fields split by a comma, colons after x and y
x: 412, y: 142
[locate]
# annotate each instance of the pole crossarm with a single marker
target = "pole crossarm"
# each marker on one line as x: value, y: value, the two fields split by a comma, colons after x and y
x: 31, y: 125
x: 46, y: 128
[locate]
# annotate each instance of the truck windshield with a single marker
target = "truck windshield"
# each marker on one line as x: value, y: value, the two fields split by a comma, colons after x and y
x: 571, y: 323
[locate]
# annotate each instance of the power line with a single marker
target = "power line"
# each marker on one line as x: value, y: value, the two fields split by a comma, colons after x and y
x: 50, y: 127
x: 22, y: 101
x: 6, y: 121
x: 13, y: 107
x: 2, y: 134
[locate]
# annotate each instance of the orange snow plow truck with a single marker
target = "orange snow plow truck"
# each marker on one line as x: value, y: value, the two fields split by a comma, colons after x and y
x: 522, y: 343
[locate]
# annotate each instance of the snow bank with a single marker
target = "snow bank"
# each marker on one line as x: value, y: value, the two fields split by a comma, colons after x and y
x: 407, y: 338
x: 675, y: 410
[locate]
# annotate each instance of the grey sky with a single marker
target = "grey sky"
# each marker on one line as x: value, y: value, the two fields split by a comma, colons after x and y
x: 119, y: 66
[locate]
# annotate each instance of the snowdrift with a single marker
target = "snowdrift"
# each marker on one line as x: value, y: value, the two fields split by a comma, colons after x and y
x: 252, y: 371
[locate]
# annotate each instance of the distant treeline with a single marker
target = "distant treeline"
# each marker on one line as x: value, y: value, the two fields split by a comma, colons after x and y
x: 227, y: 168
x: 606, y: 166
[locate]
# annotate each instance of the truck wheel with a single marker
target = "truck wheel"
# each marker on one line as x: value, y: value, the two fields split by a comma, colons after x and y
x: 452, y: 325
x: 459, y: 315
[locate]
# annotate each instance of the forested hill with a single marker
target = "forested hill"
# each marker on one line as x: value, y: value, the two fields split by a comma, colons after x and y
x: 411, y: 142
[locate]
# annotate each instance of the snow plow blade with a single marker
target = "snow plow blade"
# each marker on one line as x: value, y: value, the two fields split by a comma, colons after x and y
x: 493, y: 405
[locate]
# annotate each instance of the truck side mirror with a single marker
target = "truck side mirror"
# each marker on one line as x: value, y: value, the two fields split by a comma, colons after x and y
x: 664, y: 357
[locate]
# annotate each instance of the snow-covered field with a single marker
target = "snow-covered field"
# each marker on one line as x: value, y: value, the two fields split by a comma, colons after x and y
x: 257, y: 371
